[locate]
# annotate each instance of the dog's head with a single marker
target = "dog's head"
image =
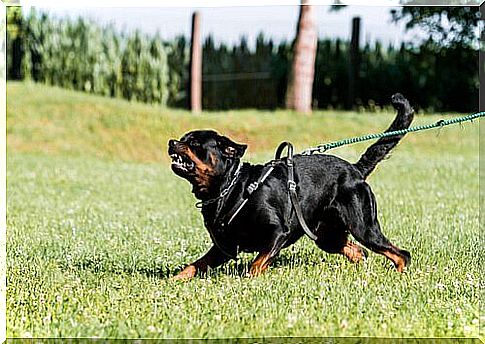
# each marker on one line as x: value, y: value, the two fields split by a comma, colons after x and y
x: 203, y: 157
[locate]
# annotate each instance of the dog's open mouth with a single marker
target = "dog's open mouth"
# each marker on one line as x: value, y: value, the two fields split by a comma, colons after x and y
x: 181, y: 162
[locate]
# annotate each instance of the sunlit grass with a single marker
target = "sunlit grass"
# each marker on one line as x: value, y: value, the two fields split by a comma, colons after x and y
x: 97, y: 222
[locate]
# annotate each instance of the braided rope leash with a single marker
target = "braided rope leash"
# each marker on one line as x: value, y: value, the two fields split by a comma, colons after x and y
x: 439, y: 124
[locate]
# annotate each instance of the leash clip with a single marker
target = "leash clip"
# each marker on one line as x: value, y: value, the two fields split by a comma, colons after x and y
x: 252, y: 187
x: 291, y: 185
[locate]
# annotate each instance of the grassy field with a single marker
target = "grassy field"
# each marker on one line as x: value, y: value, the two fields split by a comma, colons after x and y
x: 97, y: 223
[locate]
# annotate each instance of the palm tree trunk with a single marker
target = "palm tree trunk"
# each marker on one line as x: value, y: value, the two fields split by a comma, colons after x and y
x: 300, y: 83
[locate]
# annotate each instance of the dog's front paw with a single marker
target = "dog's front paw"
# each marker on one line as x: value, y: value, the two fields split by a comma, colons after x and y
x: 256, y: 270
x: 186, y: 274
x: 354, y: 252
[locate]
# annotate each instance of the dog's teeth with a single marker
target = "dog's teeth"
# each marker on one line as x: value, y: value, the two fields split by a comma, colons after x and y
x: 179, y: 161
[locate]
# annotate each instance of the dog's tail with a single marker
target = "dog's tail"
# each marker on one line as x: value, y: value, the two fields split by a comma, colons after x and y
x: 378, y: 151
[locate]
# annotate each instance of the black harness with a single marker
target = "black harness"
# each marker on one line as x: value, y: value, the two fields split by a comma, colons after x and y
x: 292, y: 194
x: 293, y: 202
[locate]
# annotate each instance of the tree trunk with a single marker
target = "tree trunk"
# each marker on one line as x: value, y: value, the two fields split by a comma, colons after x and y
x: 300, y: 83
x: 195, y: 66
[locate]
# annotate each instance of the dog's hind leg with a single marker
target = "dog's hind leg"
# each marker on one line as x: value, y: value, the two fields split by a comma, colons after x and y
x: 373, y: 239
x: 359, y: 213
x: 333, y: 238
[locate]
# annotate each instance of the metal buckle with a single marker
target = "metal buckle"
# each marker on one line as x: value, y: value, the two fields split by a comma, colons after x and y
x: 291, y: 185
x: 306, y: 152
x: 253, y: 187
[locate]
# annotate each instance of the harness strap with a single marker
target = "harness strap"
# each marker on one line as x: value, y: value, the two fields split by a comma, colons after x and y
x: 236, y: 209
x: 293, y: 202
x: 293, y: 196
x: 289, y: 160
x: 242, y: 202
x: 299, y: 214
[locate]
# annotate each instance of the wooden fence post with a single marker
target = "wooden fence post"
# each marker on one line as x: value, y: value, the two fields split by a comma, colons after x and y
x: 354, y: 62
x: 195, y: 66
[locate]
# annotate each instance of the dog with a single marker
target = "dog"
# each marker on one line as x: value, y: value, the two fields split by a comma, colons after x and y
x: 333, y: 194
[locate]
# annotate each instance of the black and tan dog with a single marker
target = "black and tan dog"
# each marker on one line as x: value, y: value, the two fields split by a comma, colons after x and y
x: 333, y: 194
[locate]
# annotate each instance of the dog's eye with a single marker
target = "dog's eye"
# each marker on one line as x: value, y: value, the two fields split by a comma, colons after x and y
x: 194, y: 144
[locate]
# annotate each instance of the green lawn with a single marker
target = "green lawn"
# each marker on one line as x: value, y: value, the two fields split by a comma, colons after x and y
x: 97, y: 223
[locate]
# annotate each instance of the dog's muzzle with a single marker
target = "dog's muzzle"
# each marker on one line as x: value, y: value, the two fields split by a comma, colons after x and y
x: 179, y: 160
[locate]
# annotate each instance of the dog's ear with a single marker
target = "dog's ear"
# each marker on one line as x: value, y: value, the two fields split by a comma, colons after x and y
x: 230, y: 148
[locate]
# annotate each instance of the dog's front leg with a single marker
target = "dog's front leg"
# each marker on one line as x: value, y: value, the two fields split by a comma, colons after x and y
x: 212, y: 259
x: 260, y: 264
x: 265, y: 257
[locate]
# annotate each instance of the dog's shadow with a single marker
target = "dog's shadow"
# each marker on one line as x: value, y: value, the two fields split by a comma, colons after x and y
x: 238, y: 268
x: 241, y: 266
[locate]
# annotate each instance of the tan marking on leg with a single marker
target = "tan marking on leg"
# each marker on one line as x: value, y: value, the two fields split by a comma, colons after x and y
x: 260, y: 264
x: 353, y: 252
x: 398, y: 261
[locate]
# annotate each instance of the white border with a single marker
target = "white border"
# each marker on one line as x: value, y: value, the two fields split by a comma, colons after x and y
x: 114, y: 3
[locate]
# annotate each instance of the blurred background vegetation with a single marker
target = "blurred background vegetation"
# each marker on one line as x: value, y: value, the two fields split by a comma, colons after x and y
x: 440, y: 74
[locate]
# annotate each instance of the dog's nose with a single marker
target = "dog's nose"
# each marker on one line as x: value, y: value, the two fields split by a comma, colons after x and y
x: 171, y: 143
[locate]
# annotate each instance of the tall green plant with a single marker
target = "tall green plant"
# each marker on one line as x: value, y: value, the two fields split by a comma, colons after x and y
x: 82, y: 56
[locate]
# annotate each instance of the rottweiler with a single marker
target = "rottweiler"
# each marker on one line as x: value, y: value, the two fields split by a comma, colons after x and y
x: 333, y: 194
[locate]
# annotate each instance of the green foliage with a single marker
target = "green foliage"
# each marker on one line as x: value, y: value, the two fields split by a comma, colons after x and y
x: 446, y: 26
x: 178, y: 63
x: 93, y: 239
x: 433, y: 77
x: 14, y: 42
x: 82, y: 56
x: 239, y: 77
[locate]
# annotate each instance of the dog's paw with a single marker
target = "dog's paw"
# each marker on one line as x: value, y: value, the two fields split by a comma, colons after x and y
x: 186, y: 274
x: 255, y: 271
x: 406, y: 261
x: 354, y: 253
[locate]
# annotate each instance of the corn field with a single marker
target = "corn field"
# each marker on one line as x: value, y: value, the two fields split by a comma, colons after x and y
x: 82, y: 56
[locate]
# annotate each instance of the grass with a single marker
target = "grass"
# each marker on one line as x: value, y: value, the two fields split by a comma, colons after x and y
x: 97, y: 222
